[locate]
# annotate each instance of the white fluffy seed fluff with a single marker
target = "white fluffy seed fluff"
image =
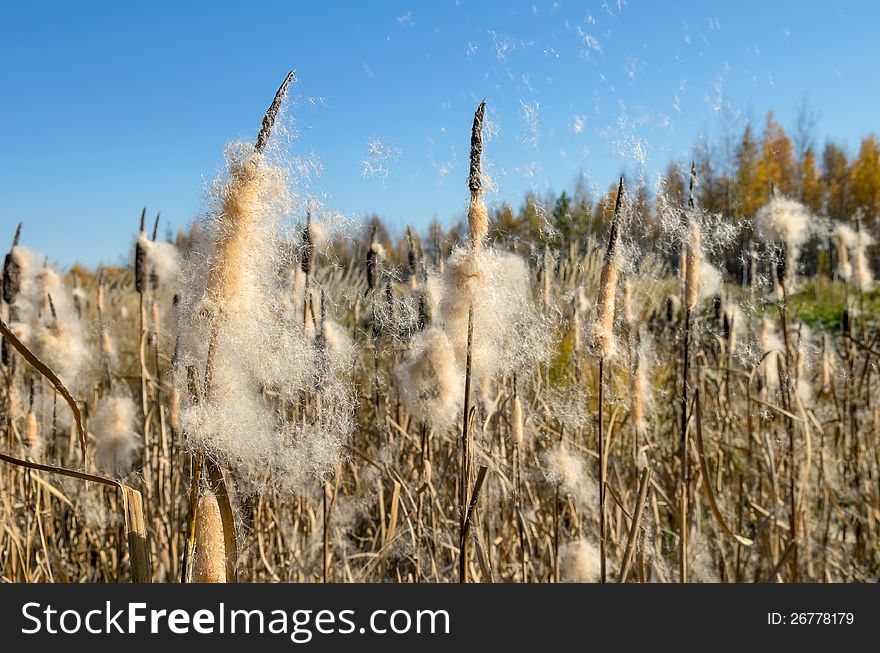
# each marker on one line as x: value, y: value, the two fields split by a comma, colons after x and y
x: 788, y: 222
x: 569, y: 471
x: 116, y: 441
x: 510, y: 334
x: 627, y: 301
x: 163, y: 260
x: 263, y: 356
x: 845, y: 238
x: 430, y: 379
x: 863, y: 276
x: 47, y: 322
x: 852, y: 260
x: 580, y: 562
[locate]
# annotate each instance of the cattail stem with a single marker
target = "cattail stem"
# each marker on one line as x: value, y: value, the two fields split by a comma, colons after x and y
x: 325, y: 562
x: 602, y: 519
x: 683, y: 458
x: 636, y: 524
x: 466, y: 450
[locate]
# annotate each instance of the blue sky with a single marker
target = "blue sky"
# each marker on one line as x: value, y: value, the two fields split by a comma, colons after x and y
x: 109, y: 107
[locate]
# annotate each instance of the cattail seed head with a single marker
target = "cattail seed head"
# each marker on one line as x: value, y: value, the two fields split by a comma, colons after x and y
x: 844, y: 267
x: 516, y: 422
x: 478, y: 221
x: 12, y: 271
x: 307, y: 246
x: 603, y: 327
x: 478, y: 215
x: 140, y: 258
x: 107, y: 347
x: 209, y: 561
x: 174, y: 409
x: 475, y: 182
x: 30, y: 438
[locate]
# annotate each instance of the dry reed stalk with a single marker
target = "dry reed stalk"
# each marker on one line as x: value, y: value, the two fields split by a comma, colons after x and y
x: 635, y: 525
x: 133, y: 514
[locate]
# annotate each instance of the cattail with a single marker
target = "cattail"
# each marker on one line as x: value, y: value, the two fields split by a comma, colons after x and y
x: 603, y: 327
x: 692, y: 267
x: 844, y: 267
x: 786, y: 222
x: 209, y: 562
x: 864, y: 278
x: 307, y: 246
x: 375, y: 253
x: 516, y: 422
x: 107, y: 347
x: 730, y: 327
x: 12, y: 271
x: 113, y: 425
x: 30, y: 439
x: 771, y: 346
x: 100, y: 300
x: 478, y: 215
x: 140, y: 258
x: 411, y: 259
x: 243, y: 207
x: 174, y: 408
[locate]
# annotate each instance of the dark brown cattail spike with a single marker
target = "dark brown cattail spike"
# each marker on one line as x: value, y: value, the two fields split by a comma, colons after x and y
x: 410, y: 254
x: 612, y: 235
x: 156, y: 227
x: 308, y: 247
x: 12, y: 271
x: 475, y: 182
x: 140, y: 259
x: 780, y: 264
x: 692, y: 185
x: 371, y: 261
x: 51, y: 306
x: 272, y: 114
